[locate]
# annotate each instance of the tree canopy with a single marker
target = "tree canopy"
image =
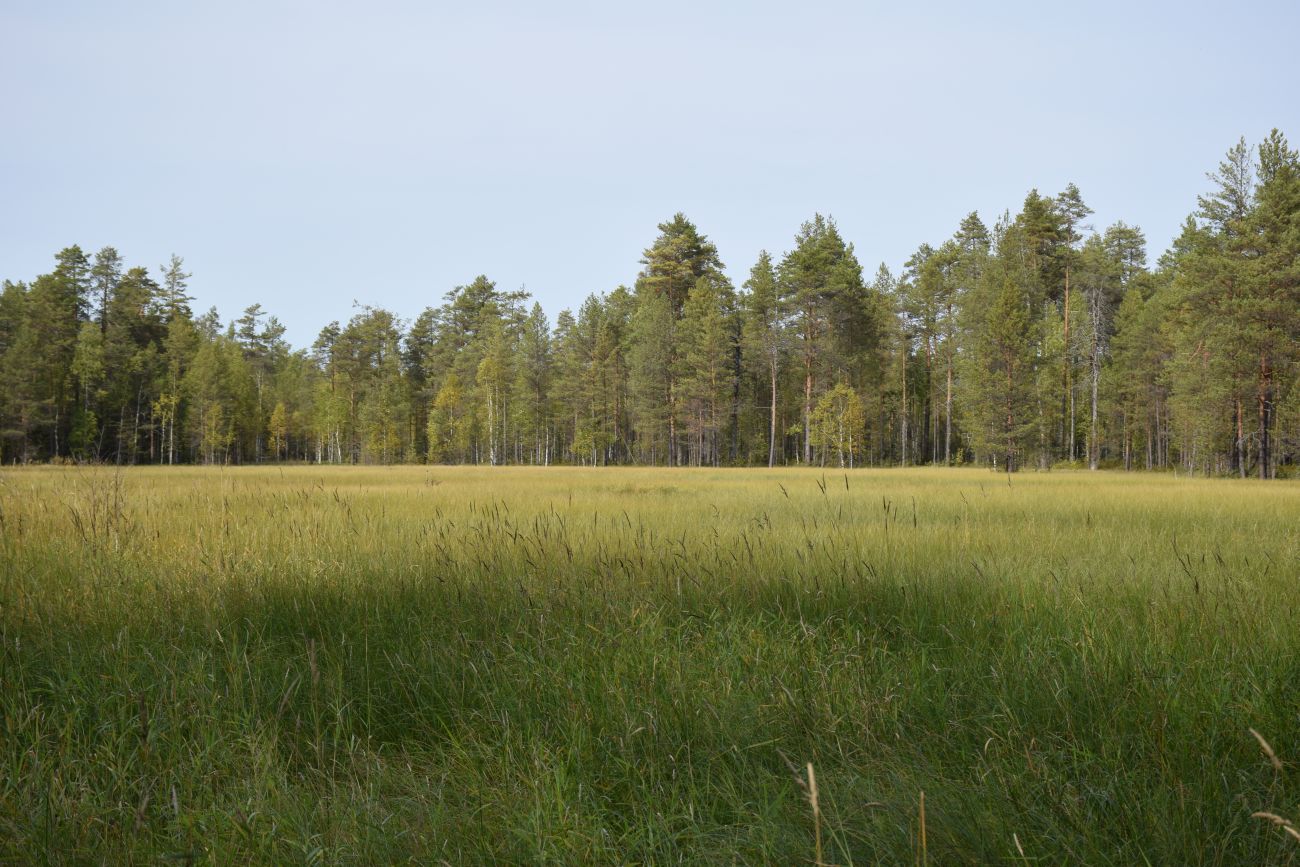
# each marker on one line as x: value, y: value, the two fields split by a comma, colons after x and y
x: 1037, y: 342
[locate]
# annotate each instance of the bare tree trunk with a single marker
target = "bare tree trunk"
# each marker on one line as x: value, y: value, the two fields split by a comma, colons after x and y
x: 928, y: 428
x: 1010, y: 418
x: 771, y: 436
x: 807, y: 410
x: 1239, y: 446
x: 1067, y: 386
x: 1094, y: 448
x: 135, y: 426
x: 1094, y: 456
x: 1094, y: 310
x: 903, y: 456
x: 1265, y: 417
x: 947, y: 425
x: 672, y: 427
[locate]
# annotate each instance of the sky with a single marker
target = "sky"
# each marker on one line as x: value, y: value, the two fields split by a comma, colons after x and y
x: 311, y: 156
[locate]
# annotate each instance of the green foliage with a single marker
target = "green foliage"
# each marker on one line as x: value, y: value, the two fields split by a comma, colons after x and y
x: 679, y: 257
x: 654, y: 392
x: 706, y: 375
x: 821, y: 282
x: 221, y: 397
x: 838, y: 426
x: 448, y: 431
x: 1041, y: 343
x: 764, y: 344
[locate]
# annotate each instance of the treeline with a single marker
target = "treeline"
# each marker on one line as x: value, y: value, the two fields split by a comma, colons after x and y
x: 1033, y: 342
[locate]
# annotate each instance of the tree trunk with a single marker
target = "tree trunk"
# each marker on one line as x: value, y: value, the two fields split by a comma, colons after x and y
x: 1239, y: 446
x: 1094, y: 448
x: 1010, y: 416
x: 927, y: 431
x: 807, y: 410
x: 947, y: 411
x: 771, y: 436
x: 903, y: 456
x: 671, y: 456
x: 1265, y: 417
x: 1067, y: 389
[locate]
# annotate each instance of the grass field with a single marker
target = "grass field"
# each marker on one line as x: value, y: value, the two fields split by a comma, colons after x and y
x: 365, y: 665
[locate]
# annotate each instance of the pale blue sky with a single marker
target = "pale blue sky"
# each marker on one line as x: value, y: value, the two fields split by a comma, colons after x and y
x: 306, y: 154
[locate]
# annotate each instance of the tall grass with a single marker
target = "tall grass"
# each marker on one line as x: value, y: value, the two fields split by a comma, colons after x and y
x: 467, y: 665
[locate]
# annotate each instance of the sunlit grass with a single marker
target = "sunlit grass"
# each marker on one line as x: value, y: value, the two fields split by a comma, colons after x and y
x: 371, y: 665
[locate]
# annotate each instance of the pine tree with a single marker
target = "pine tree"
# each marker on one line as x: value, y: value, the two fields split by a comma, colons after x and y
x: 764, y: 337
x: 134, y: 355
x: 532, y: 387
x: 88, y: 371
x: 422, y: 373
x: 264, y: 350
x: 175, y: 281
x: 1270, y: 321
x: 821, y: 281
x: 1072, y: 211
x: 15, y: 372
x: 999, y: 397
x: 492, y: 381
x: 705, y: 374
x: 220, y: 393
x: 652, y: 378
x: 1134, y: 375
x: 1238, y: 289
x: 679, y: 257
x: 1106, y: 266
x: 969, y: 257
x: 57, y: 306
x: 105, y: 274
x: 1034, y: 251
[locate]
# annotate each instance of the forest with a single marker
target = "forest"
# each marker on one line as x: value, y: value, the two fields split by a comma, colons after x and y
x: 1038, y: 341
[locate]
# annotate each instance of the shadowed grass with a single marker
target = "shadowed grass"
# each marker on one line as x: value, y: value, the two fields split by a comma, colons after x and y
x: 375, y: 665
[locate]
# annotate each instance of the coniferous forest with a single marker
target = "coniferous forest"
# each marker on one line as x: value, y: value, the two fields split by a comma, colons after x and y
x: 1035, y: 341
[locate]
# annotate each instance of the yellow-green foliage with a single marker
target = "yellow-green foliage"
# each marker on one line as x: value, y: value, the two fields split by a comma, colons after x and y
x: 368, y: 665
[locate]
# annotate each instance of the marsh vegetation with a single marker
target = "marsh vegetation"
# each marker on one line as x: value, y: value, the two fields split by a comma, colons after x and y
x: 365, y: 665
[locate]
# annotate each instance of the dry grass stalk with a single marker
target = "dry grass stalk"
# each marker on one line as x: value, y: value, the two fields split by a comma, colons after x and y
x: 1279, y: 821
x: 1268, y: 751
x: 817, y: 813
x: 925, y: 854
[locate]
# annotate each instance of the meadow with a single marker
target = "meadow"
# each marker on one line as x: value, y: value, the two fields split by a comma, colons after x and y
x: 474, y: 665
